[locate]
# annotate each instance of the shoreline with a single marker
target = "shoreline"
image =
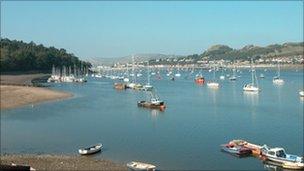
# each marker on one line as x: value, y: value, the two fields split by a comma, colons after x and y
x: 61, y: 162
x: 21, y: 90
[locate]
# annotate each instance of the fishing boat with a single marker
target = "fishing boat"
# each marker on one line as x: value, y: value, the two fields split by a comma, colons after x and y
x: 153, y: 103
x: 213, y: 83
x: 277, y: 79
x: 301, y: 93
x: 236, y: 150
x: 139, y: 166
x: 90, y: 150
x: 278, y: 154
x: 253, y: 86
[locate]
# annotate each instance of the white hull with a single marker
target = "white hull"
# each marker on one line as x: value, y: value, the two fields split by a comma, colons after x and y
x: 301, y: 93
x: 139, y: 166
x: 278, y: 81
x: 213, y: 85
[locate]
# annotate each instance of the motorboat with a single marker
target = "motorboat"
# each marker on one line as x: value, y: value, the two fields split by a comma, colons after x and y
x: 278, y: 154
x: 139, y: 166
x: 153, y: 103
x: 199, y: 79
x: 90, y: 150
x: 213, y: 84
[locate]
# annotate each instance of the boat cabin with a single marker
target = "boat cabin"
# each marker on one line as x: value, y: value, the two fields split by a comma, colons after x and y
x: 277, y: 152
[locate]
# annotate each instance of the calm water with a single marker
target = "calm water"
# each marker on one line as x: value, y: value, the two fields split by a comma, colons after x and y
x: 187, y: 135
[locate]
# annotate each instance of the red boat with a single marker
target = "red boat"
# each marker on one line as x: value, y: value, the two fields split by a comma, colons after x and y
x: 199, y: 80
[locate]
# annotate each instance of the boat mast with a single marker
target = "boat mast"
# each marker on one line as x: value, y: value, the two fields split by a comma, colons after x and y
x: 133, y: 69
x: 148, y: 74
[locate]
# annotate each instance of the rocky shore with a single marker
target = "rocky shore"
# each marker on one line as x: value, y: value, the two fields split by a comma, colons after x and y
x: 59, y: 162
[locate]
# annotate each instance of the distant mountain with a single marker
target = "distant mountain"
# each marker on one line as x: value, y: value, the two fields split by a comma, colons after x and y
x: 127, y: 59
x: 276, y: 50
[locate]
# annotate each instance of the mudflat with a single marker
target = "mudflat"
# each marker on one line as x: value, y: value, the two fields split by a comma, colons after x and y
x: 58, y: 162
x: 16, y: 96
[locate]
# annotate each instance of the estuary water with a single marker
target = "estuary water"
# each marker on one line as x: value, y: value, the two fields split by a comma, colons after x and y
x: 186, y: 136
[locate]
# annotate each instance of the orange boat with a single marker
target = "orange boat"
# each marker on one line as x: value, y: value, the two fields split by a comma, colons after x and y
x: 256, y: 149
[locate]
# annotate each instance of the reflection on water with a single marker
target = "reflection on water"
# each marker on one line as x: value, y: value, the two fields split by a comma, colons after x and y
x: 273, y: 166
x: 186, y: 136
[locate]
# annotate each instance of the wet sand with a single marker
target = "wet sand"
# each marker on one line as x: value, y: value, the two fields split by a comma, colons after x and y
x: 58, y: 162
x: 17, y: 96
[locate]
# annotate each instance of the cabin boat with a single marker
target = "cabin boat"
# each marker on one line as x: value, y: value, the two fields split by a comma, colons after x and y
x: 139, y: 166
x: 236, y: 150
x: 278, y: 155
x: 199, y: 79
x: 154, y: 103
x: 90, y: 150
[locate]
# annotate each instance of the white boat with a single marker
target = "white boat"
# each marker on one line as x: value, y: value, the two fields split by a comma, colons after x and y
x: 233, y: 77
x: 139, y: 166
x: 301, y: 93
x: 293, y: 165
x: 126, y: 79
x: 222, y: 77
x: 178, y: 73
x: 213, y: 83
x: 90, y: 150
x: 148, y: 86
x: 253, y: 86
x: 262, y: 76
x: 277, y: 79
x: 278, y: 155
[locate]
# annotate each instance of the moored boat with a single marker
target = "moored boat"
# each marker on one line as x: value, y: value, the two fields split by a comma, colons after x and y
x: 120, y: 86
x: 278, y: 155
x: 139, y: 166
x: 301, y: 93
x: 236, y: 150
x: 90, y: 150
x: 154, y: 103
x: 199, y: 79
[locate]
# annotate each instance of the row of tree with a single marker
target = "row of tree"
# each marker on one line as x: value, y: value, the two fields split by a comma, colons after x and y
x: 20, y: 56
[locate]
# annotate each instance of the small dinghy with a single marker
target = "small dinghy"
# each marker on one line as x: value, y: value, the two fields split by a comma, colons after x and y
x: 90, y: 150
x: 236, y: 150
x: 141, y: 166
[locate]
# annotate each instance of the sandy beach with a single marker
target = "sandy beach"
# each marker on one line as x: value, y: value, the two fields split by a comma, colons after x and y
x: 16, y: 96
x: 18, y: 90
x: 58, y: 162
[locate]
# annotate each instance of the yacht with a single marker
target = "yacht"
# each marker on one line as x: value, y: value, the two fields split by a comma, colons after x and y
x: 277, y: 79
x: 253, y: 86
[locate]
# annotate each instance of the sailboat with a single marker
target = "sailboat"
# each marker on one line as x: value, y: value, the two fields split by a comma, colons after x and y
x: 222, y: 77
x: 126, y: 79
x: 213, y: 83
x: 253, y: 86
x: 178, y: 73
x: 277, y: 79
x: 134, y: 85
x: 148, y: 87
x: 233, y: 77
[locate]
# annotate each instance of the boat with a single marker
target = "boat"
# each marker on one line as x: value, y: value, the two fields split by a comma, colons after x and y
x: 148, y: 86
x: 255, y: 149
x: 213, y: 83
x: 253, y: 86
x: 16, y: 167
x: 262, y: 76
x: 278, y: 154
x: 233, y: 77
x: 199, y: 79
x: 301, y: 93
x: 178, y: 73
x: 90, y: 150
x: 236, y: 150
x: 277, y: 79
x: 154, y: 103
x: 222, y: 77
x: 120, y: 86
x: 139, y: 166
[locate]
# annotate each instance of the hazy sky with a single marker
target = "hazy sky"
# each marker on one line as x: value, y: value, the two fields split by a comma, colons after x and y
x: 115, y: 29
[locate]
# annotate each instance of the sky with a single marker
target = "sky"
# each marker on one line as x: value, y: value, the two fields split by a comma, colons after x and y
x: 107, y: 29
